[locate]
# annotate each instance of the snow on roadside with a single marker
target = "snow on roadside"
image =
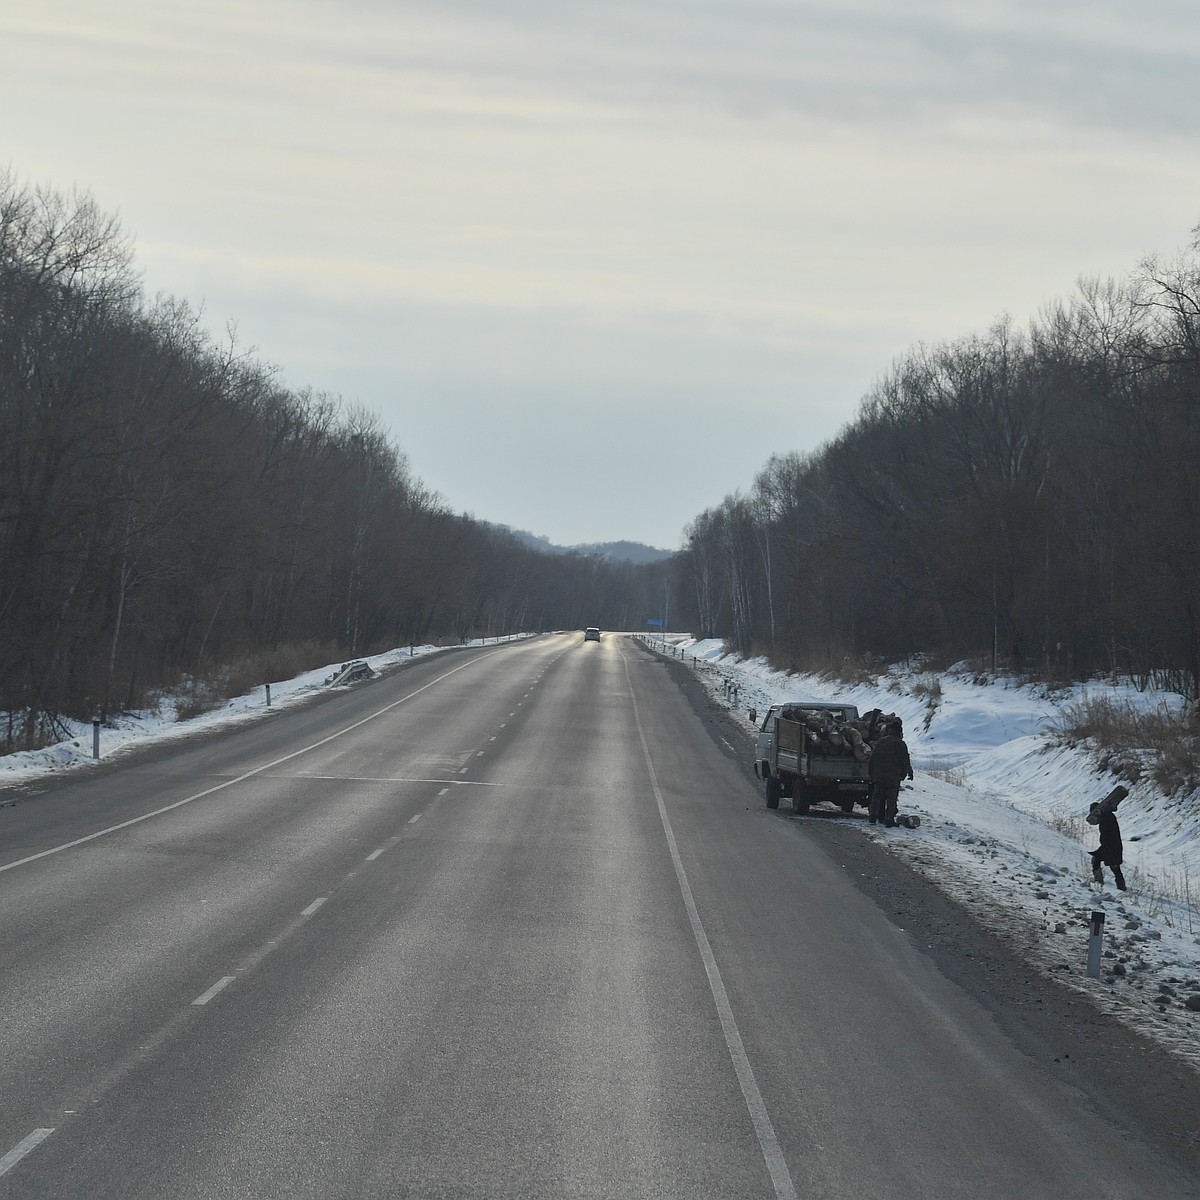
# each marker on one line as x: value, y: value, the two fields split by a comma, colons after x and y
x: 128, y: 730
x: 1002, y: 806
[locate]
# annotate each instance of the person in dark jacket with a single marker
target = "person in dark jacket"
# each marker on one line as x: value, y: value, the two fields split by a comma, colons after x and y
x: 888, y: 765
x: 1110, y: 853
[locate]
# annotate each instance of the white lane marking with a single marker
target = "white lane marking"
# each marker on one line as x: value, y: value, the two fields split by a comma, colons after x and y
x: 219, y: 986
x: 777, y: 1166
x: 414, y: 820
x: 312, y: 908
x: 503, y: 724
x: 22, y: 1148
x: 361, y: 779
x: 375, y: 854
x: 492, y: 738
x: 478, y: 753
x: 443, y: 791
x: 158, y: 812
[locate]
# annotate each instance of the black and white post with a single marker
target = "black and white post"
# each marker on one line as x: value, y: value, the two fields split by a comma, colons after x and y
x: 1095, y: 944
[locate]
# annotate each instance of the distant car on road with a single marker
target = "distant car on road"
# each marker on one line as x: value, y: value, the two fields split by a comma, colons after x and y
x: 591, y: 634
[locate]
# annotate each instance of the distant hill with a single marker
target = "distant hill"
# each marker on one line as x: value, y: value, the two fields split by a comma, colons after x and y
x: 633, y: 552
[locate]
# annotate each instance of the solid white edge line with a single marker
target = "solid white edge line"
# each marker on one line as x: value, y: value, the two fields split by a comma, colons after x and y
x: 219, y: 986
x: 22, y: 1148
x: 158, y: 812
x: 312, y: 908
x: 781, y: 1177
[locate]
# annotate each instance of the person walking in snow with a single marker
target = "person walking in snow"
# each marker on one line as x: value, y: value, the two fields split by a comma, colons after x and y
x: 888, y: 765
x: 1109, y: 853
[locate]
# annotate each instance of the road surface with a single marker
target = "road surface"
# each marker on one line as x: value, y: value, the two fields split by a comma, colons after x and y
x: 510, y: 921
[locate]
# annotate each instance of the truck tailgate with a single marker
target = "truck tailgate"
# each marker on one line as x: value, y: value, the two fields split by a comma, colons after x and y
x: 847, y: 767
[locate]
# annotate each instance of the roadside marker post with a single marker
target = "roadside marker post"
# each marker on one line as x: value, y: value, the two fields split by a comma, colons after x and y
x: 1095, y: 943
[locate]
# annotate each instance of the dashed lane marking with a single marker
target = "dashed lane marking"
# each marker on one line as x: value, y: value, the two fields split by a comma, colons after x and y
x: 228, y: 783
x: 22, y: 1148
x: 216, y: 988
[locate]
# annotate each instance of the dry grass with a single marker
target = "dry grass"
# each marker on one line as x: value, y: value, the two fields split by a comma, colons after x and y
x: 832, y: 664
x: 955, y: 776
x: 253, y: 671
x: 1069, y: 824
x: 928, y: 687
x: 1135, y: 744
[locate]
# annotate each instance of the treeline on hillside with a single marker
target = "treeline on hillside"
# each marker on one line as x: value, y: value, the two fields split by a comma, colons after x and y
x: 166, y: 508
x: 1028, y: 498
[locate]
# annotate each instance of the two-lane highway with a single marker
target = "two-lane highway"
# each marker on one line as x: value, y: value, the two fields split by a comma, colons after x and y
x: 508, y: 922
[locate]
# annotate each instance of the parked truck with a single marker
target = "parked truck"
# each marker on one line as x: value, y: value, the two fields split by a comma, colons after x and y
x: 812, y: 750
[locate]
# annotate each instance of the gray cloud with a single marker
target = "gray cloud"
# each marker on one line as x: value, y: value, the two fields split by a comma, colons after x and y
x: 496, y: 220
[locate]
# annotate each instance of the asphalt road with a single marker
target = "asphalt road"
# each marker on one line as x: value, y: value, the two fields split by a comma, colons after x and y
x: 507, y: 922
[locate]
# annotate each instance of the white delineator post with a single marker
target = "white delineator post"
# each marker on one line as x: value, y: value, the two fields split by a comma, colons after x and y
x: 1095, y: 943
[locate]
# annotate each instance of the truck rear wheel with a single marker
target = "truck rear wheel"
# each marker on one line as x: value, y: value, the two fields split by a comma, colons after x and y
x: 772, y: 790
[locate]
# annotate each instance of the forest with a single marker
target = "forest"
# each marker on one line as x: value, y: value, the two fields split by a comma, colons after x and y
x: 1025, y: 499
x: 171, y: 517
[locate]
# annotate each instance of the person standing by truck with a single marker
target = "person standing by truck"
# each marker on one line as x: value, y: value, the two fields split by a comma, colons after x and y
x: 888, y: 765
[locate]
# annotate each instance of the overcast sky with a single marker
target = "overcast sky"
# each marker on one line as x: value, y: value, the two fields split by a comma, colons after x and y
x: 567, y: 248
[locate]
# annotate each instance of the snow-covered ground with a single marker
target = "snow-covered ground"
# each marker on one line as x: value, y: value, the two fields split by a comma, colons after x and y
x: 1001, y: 807
x: 130, y: 729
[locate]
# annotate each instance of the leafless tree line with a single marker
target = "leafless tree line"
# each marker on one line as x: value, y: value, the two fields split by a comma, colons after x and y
x: 1028, y: 498
x: 167, y: 507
